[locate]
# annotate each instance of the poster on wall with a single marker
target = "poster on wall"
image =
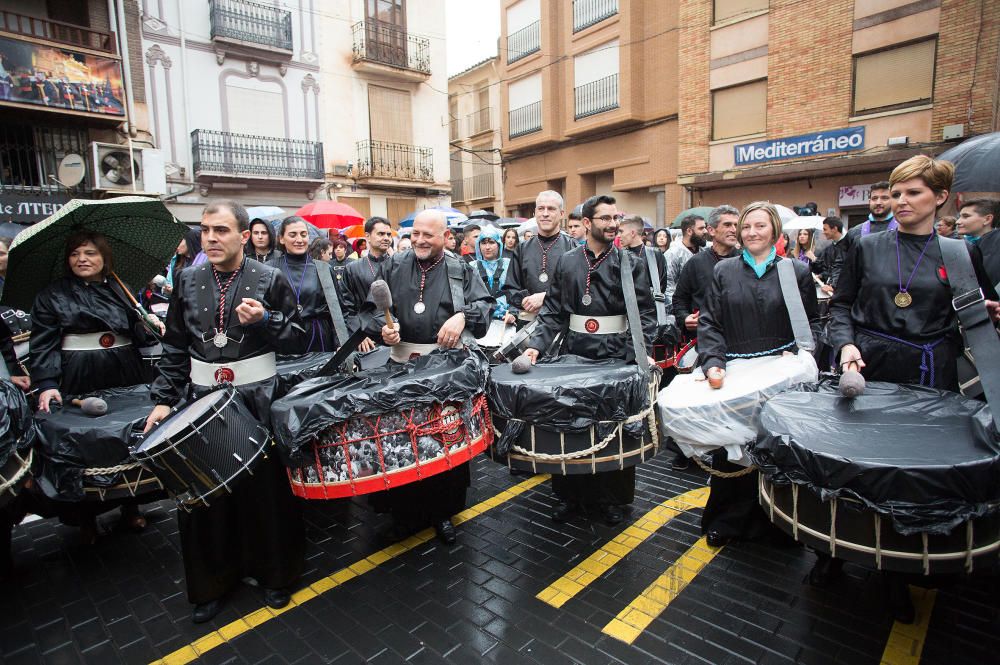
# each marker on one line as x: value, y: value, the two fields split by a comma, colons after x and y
x: 59, y: 80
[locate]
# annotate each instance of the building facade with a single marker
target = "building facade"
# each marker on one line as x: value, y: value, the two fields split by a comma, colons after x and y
x: 589, y: 103
x: 474, y: 136
x: 798, y: 102
x: 74, y: 119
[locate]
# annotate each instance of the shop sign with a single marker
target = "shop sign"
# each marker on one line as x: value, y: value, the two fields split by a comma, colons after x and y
x: 28, y: 208
x: 854, y: 195
x: 806, y: 145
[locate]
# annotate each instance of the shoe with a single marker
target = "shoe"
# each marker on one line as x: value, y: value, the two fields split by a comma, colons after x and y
x: 900, y: 602
x: 132, y: 519
x: 679, y: 463
x: 206, y: 611
x: 517, y: 472
x: 612, y: 515
x: 716, y: 539
x: 445, y: 532
x: 562, y: 512
x: 276, y: 598
x: 825, y: 571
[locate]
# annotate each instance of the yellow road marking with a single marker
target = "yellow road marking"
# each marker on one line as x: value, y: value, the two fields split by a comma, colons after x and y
x: 651, y: 603
x: 906, y: 641
x: 256, y: 618
x: 598, y: 563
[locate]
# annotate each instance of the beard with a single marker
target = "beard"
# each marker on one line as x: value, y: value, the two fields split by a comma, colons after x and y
x: 698, y: 241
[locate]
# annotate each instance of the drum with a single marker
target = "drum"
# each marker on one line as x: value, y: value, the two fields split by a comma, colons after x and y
x: 498, y: 334
x: 515, y: 344
x: 701, y: 419
x: 17, y: 436
x: 86, y: 458
x: 869, y: 481
x: 150, y: 359
x: 572, y: 415
x: 387, y: 427
x: 823, y: 301
x: 293, y: 370
x: 19, y: 323
x: 205, y: 448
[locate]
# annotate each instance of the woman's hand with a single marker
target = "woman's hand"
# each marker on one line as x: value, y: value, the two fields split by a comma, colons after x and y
x: 46, y: 398
x: 849, y: 355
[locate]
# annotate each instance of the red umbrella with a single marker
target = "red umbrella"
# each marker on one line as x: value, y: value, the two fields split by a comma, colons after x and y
x: 330, y: 215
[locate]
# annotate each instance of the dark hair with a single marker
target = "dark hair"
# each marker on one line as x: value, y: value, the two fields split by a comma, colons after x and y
x: 881, y: 184
x: 288, y: 221
x: 372, y: 221
x: 471, y: 227
x: 100, y: 242
x: 340, y: 242
x: 590, y: 205
x: 356, y: 245
x: 575, y: 215
x: 834, y: 223
x: 5, y: 241
x: 665, y: 232
x: 689, y: 222
x: 509, y: 231
x: 983, y: 207
x: 318, y: 246
x: 234, y: 207
x: 635, y: 221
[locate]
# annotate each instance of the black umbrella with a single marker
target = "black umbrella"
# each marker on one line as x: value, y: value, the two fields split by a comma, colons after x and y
x: 485, y: 215
x: 977, y: 164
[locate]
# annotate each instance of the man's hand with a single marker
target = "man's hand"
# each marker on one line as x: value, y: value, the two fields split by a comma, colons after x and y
x: 366, y: 345
x: 827, y: 289
x: 531, y: 354
x: 450, y: 334
x: 509, y: 318
x: 533, y: 303
x: 22, y: 382
x: 850, y: 354
x: 993, y: 307
x: 159, y: 412
x: 47, y: 397
x: 250, y: 311
x: 390, y: 334
x: 691, y: 321
x: 159, y: 326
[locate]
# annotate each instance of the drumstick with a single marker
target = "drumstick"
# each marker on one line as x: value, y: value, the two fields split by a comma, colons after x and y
x: 147, y: 319
x: 92, y: 406
x: 382, y: 298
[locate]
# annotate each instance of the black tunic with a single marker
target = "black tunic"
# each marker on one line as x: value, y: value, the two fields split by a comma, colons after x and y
x: 526, y: 267
x: 693, y: 284
x: 339, y: 269
x: 830, y: 262
x: 854, y: 234
x: 989, y: 246
x: 73, y: 306
x: 358, y: 278
x: 308, y: 294
x: 257, y: 530
x: 863, y: 311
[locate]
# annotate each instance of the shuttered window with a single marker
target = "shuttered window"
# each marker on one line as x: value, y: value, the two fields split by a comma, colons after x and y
x: 360, y: 203
x: 255, y: 112
x: 398, y: 209
x: 726, y: 9
x: 739, y: 110
x: 389, y: 114
x: 895, y: 78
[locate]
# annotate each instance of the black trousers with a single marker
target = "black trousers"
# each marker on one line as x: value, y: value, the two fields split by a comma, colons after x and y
x: 733, y: 509
x: 428, y: 501
x: 606, y: 488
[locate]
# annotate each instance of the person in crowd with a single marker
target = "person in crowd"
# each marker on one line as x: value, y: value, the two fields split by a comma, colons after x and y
x: 946, y: 225
x: 827, y: 265
x: 632, y: 238
x: 4, y: 250
x: 470, y: 241
x: 451, y: 241
x: 426, y: 318
x: 359, y: 248
x: 784, y: 245
x: 587, y: 282
x: 263, y: 245
x: 510, y: 241
x: 694, y: 236
x: 358, y: 276
x: 574, y: 227
x: 256, y: 529
x: 880, y: 216
x: 696, y: 276
x: 892, y: 313
x: 804, y: 248
x: 188, y: 252
x: 661, y: 240
x: 976, y: 218
x: 321, y: 249
x: 744, y: 316
x: 340, y: 262
x: 527, y: 235
x: 493, y: 267
x: 404, y: 244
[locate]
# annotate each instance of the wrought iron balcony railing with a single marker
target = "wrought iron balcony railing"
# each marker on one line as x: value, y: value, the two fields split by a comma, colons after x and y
x: 387, y: 44
x: 478, y: 187
x: 525, y: 120
x: 524, y: 42
x: 224, y: 153
x: 252, y: 22
x: 480, y: 121
x: 457, y: 190
x: 597, y: 97
x: 57, y: 31
x: 591, y: 12
x: 396, y: 161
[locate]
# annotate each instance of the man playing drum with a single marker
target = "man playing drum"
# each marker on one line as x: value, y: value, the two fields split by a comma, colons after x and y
x: 585, y: 295
x: 426, y: 286
x: 359, y: 275
x: 227, y: 318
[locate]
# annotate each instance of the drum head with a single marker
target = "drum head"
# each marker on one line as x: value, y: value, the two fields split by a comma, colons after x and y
x: 176, y: 424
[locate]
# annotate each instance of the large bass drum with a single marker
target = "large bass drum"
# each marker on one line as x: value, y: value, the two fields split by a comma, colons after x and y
x: 17, y: 436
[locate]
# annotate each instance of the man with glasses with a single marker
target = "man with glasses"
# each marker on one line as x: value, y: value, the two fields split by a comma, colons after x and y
x: 586, y: 297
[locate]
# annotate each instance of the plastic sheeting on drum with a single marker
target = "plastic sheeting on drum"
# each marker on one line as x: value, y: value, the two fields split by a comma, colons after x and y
x: 568, y: 394
x: 926, y: 459
x: 315, y: 404
x: 293, y: 370
x: 17, y: 426
x: 70, y: 441
x: 701, y: 419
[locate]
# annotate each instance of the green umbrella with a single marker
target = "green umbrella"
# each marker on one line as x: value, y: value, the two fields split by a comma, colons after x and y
x: 141, y: 231
x: 700, y: 211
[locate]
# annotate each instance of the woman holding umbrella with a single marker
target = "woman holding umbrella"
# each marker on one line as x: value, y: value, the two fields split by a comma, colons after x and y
x: 262, y: 245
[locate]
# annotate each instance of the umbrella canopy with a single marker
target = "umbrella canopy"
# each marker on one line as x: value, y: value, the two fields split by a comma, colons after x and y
x: 141, y: 231
x: 484, y: 215
x: 454, y: 217
x: 313, y: 231
x: 509, y: 222
x: 528, y: 225
x: 267, y: 213
x: 700, y: 211
x: 813, y: 222
x: 330, y: 215
x: 785, y: 213
x: 977, y: 164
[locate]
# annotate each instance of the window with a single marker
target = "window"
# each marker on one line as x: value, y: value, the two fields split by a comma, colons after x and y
x: 524, y: 99
x: 895, y: 78
x: 254, y: 111
x: 739, y: 110
x: 727, y: 9
x: 595, y: 80
x: 392, y: 12
x: 389, y: 115
x: 523, y: 29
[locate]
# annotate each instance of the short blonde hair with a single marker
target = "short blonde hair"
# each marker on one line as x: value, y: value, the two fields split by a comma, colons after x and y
x: 937, y: 174
x: 771, y: 211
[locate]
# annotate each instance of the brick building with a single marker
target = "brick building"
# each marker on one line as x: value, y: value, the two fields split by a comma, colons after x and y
x: 800, y: 101
x: 474, y: 135
x: 589, y: 102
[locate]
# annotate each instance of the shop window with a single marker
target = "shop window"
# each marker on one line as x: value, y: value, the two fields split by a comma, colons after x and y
x: 894, y: 78
x: 739, y: 110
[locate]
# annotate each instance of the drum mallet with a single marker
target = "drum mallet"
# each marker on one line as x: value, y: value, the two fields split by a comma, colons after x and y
x: 852, y: 384
x: 91, y: 406
x: 521, y: 365
x: 382, y: 297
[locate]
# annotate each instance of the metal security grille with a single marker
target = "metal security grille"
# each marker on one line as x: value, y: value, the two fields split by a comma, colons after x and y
x: 380, y: 159
x: 30, y: 155
x: 524, y: 42
x: 525, y: 120
x: 251, y: 22
x: 597, y: 97
x: 390, y: 45
x: 255, y: 156
x: 591, y: 12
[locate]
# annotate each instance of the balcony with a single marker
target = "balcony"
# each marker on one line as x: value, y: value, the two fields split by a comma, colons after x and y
x: 457, y: 190
x: 525, y: 120
x: 395, y: 161
x: 596, y: 97
x: 591, y: 12
x: 254, y: 29
x: 480, y: 121
x: 524, y: 42
x: 478, y: 187
x: 58, y: 32
x: 384, y: 48
x: 223, y: 155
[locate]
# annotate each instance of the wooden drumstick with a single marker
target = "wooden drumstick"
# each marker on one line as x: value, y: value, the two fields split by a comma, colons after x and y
x: 382, y: 298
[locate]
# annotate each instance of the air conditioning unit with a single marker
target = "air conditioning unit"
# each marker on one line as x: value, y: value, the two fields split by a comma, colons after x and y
x: 114, y: 170
x: 342, y: 170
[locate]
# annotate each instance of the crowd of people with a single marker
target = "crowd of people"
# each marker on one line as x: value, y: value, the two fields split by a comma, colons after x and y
x: 241, y: 292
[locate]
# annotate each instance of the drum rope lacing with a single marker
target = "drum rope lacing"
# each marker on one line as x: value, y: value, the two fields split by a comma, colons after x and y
x: 723, y: 474
x: 648, y: 414
x: 20, y: 473
x: 108, y: 470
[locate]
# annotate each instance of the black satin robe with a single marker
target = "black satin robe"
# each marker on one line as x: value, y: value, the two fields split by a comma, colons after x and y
x: 989, y: 246
x: 358, y: 278
x: 526, y: 267
x: 257, y: 530
x: 863, y: 301
x: 314, y: 314
x: 693, y: 284
x: 339, y: 269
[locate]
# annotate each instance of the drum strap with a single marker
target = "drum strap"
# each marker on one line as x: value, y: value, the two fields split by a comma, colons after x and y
x: 456, y: 282
x: 968, y: 302
x: 654, y: 279
x: 332, y: 300
x: 793, y: 303
x: 632, y: 310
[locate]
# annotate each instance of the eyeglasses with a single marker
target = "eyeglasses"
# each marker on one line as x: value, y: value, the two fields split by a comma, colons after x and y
x: 611, y: 218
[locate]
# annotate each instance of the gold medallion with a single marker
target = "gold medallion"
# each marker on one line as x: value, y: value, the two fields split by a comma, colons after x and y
x: 903, y: 299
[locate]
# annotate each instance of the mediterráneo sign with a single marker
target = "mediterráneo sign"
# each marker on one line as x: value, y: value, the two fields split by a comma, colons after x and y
x: 806, y: 145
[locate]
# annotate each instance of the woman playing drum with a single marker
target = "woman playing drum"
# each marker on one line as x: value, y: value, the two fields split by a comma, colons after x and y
x: 745, y: 317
